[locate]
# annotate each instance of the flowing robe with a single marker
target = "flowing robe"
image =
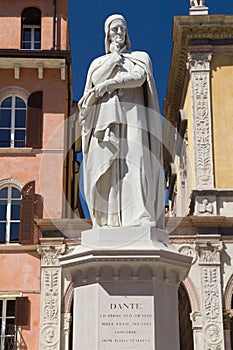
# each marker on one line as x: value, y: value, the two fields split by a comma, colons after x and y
x: 122, y: 146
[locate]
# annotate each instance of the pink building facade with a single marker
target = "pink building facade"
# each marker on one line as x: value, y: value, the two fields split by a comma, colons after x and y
x: 34, y: 108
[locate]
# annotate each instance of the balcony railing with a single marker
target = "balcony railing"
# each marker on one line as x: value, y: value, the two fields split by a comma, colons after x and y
x: 13, y: 339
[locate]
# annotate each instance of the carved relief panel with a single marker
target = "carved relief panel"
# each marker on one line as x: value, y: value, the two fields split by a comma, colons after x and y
x: 209, y: 262
x: 199, y: 66
x: 50, y: 297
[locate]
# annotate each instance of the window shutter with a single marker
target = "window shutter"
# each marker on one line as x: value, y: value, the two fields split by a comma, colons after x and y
x: 38, y: 214
x: 21, y: 311
x: 38, y: 206
x: 34, y: 129
x: 27, y: 213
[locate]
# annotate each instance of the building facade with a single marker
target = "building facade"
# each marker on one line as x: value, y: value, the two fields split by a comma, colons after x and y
x: 37, y: 204
x: 35, y: 100
x: 198, y: 157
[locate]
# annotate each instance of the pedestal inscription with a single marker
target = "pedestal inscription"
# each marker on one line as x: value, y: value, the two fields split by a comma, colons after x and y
x: 126, y: 323
x: 117, y: 322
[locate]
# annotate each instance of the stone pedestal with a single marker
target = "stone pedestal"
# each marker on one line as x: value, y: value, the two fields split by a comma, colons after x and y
x: 125, y: 289
x: 198, y: 11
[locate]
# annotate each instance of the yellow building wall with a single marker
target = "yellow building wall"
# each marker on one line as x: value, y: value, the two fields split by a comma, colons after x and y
x: 190, y: 150
x: 222, y: 111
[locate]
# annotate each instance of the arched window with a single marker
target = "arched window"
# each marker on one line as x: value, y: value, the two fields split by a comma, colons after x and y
x: 31, y: 29
x: 12, y: 122
x: 10, y: 199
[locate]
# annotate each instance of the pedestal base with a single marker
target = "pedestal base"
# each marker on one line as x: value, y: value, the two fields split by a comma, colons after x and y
x: 198, y: 11
x: 125, y: 289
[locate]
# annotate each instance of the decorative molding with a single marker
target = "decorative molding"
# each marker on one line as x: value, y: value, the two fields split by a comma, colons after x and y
x: 196, y: 319
x: 193, y: 294
x: 213, y: 334
x: 206, y: 207
x: 14, y: 90
x: 63, y: 71
x: 189, y: 250
x: 66, y: 325
x: 199, y: 61
x: 199, y: 65
x: 68, y: 298
x: 66, y: 321
x: 50, y: 255
x: 137, y: 268
x: 40, y: 70
x: 16, y: 71
x: 11, y: 181
x: 209, y: 252
x: 228, y: 293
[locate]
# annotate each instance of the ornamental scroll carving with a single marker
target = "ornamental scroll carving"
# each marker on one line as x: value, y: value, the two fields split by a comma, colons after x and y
x: 199, y: 65
x: 209, y: 261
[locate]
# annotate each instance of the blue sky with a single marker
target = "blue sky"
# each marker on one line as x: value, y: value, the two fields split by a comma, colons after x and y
x: 149, y: 25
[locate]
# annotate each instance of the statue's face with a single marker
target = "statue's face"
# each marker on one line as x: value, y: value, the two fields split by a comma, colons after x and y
x: 117, y: 32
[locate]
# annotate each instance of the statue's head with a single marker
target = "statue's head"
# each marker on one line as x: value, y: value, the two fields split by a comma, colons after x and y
x: 116, y: 30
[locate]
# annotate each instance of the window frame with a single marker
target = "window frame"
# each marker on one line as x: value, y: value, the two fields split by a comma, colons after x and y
x: 32, y: 41
x: 4, y: 318
x: 8, y: 220
x: 13, y: 109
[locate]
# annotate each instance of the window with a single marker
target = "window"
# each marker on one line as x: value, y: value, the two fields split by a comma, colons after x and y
x: 20, y: 125
x: 18, y: 209
x: 31, y: 37
x: 7, y: 327
x: 10, y: 200
x: 14, y: 312
x: 31, y: 29
x: 12, y: 122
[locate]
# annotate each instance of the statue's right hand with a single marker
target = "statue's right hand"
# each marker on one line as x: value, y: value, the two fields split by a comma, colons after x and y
x: 114, y: 47
x: 116, y: 58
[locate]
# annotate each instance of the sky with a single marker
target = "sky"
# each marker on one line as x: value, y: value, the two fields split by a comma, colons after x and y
x: 149, y: 25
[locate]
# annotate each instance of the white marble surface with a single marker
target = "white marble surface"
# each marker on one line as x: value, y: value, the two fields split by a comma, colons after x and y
x: 121, y: 135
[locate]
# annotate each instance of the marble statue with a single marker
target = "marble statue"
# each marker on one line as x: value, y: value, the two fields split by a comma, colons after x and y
x: 121, y: 135
x: 195, y: 3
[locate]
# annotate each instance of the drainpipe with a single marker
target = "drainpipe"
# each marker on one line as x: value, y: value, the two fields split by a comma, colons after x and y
x: 54, y: 23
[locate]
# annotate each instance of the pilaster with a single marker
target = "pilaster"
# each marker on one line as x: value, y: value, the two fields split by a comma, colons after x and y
x: 209, y: 262
x: 197, y: 325
x: 50, y: 322
x: 199, y: 66
x: 66, y: 323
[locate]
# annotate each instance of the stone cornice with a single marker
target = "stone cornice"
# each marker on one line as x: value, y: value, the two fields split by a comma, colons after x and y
x: 68, y: 229
x: 193, y: 228
x: 47, y: 54
x: 201, y: 221
x: 190, y: 32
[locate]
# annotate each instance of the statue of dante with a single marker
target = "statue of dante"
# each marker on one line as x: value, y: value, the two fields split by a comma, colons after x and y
x: 196, y: 3
x: 121, y: 135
